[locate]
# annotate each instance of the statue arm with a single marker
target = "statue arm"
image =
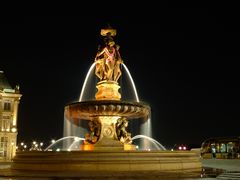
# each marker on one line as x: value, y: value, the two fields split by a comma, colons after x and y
x: 100, y: 53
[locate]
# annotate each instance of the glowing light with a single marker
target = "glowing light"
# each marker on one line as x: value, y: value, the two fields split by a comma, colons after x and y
x: 14, y: 129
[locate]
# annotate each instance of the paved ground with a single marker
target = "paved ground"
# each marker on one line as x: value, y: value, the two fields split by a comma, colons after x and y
x: 226, y: 168
x: 225, y: 164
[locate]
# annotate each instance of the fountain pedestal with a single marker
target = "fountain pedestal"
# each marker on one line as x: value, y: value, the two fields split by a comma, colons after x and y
x: 108, y: 139
x: 107, y: 90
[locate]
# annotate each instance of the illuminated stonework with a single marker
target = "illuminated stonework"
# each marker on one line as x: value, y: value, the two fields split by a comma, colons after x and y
x: 108, y: 90
x: 108, y: 115
x: 9, y: 101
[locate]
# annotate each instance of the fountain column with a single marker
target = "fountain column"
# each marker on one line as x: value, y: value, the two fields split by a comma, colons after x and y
x: 108, y: 62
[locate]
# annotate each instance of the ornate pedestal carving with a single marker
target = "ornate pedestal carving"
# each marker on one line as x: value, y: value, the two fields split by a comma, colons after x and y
x: 107, y: 90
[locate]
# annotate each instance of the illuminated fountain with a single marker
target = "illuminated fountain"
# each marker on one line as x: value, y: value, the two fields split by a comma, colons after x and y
x: 107, y: 149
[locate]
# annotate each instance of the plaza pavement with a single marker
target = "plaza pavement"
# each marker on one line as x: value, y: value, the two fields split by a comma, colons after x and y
x: 225, y: 164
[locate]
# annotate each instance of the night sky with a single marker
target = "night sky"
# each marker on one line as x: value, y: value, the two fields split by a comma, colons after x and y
x: 183, y: 61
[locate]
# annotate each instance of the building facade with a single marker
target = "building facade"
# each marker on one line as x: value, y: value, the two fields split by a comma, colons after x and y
x: 9, y: 102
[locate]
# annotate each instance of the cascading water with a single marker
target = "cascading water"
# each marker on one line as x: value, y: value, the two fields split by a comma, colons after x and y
x: 71, y: 129
x: 158, y: 146
x: 63, y: 143
x: 80, y: 130
x: 129, y: 76
x: 87, y: 78
x: 145, y: 125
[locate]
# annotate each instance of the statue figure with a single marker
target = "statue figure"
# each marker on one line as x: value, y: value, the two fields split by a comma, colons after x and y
x: 94, y: 133
x: 108, y: 59
x: 122, y: 133
x: 100, y: 66
x: 117, y: 71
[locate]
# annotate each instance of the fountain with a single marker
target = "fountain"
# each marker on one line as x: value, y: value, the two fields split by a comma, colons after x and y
x: 107, y: 150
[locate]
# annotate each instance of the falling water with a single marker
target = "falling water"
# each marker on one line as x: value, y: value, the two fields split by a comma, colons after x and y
x: 146, y: 126
x: 71, y: 129
x: 76, y: 139
x: 156, y: 143
x: 132, y: 82
x: 75, y: 144
x: 85, y: 81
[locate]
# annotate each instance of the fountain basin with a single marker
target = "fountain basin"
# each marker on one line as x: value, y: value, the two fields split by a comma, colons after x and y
x: 87, y: 164
x: 88, y: 110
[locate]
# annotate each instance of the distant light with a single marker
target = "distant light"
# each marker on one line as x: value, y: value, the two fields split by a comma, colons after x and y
x: 25, y: 146
x: 58, y: 149
x: 171, y: 149
x: 41, y: 144
x: 180, y: 147
x: 22, y: 143
x: 184, y: 147
x: 34, y: 142
x: 68, y: 149
x: 53, y: 141
x: 14, y: 129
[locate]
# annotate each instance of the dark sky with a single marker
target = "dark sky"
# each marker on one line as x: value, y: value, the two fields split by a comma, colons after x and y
x: 184, y: 62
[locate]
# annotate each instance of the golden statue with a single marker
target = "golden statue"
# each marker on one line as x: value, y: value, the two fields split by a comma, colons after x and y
x: 121, y: 130
x: 108, y: 59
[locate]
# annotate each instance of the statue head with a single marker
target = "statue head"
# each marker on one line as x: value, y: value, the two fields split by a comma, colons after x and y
x: 111, y: 43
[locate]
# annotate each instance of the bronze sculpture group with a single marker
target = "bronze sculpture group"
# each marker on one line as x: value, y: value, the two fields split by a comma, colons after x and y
x: 108, y: 59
